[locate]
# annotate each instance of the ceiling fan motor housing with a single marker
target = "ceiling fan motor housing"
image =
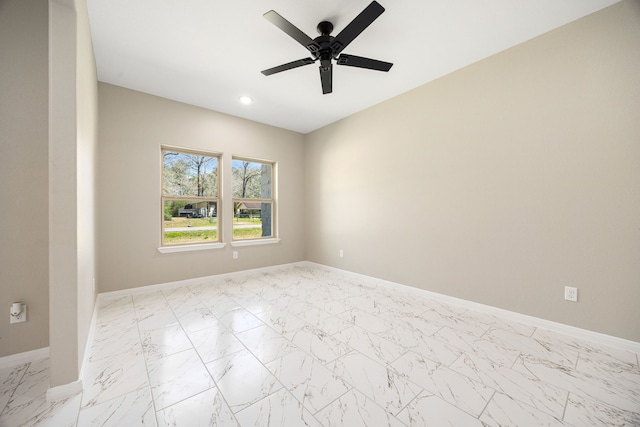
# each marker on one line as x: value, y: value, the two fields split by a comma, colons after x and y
x: 325, y: 52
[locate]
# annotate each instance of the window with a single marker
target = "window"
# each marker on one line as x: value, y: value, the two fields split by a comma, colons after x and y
x: 190, y: 197
x: 253, y: 199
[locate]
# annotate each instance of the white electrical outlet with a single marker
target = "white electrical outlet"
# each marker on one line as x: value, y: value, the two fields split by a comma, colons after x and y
x: 341, y: 253
x: 235, y: 254
x: 18, y: 314
x: 571, y: 294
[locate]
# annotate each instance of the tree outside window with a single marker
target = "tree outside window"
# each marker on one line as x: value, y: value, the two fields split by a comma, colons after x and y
x: 190, y: 197
x: 253, y: 201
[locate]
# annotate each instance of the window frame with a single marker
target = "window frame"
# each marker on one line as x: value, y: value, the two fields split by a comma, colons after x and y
x: 199, y: 245
x: 273, y: 238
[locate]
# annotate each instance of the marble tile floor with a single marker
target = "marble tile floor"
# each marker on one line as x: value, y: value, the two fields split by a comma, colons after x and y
x: 304, y: 346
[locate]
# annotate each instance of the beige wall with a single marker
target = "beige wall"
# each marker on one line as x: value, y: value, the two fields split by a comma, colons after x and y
x: 48, y: 129
x: 63, y: 232
x: 500, y: 183
x: 24, y: 263
x: 132, y: 127
x: 72, y: 177
x: 87, y: 143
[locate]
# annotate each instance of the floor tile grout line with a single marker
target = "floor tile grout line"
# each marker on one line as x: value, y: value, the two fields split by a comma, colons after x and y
x: 261, y: 363
x: 566, y: 388
x: 487, y: 403
x: 354, y: 388
x: 262, y: 399
x: 144, y: 359
x: 81, y: 408
x: 566, y: 404
x: 334, y: 400
x: 515, y: 360
x: 13, y: 392
x: 193, y: 347
x: 501, y: 391
x: 517, y: 356
x: 325, y: 365
x: 531, y: 335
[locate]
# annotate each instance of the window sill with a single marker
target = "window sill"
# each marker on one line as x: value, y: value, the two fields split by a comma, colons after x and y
x: 190, y: 248
x: 237, y: 243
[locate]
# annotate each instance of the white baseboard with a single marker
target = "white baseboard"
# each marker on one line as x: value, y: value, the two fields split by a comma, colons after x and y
x: 90, y: 335
x: 63, y: 391
x: 572, y: 331
x: 196, y: 280
x: 26, y: 357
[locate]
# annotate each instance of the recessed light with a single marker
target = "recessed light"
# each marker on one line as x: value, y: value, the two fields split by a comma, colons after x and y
x: 245, y: 100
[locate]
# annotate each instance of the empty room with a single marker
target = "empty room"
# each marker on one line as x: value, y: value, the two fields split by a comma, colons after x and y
x: 363, y: 213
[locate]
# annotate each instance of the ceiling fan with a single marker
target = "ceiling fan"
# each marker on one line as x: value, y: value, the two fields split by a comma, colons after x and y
x: 326, y: 48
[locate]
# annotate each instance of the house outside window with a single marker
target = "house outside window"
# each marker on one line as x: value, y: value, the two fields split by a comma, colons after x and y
x: 254, y: 209
x: 190, y: 197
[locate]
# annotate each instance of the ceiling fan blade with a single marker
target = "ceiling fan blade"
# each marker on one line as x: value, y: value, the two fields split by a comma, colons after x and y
x: 326, y: 78
x: 288, y: 66
x: 355, y: 27
x: 293, y: 31
x: 359, y: 61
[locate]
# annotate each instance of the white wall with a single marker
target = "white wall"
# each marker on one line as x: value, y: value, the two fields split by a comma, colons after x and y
x: 500, y: 183
x: 133, y: 127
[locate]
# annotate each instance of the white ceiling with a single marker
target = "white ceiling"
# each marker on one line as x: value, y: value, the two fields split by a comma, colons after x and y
x: 209, y: 53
